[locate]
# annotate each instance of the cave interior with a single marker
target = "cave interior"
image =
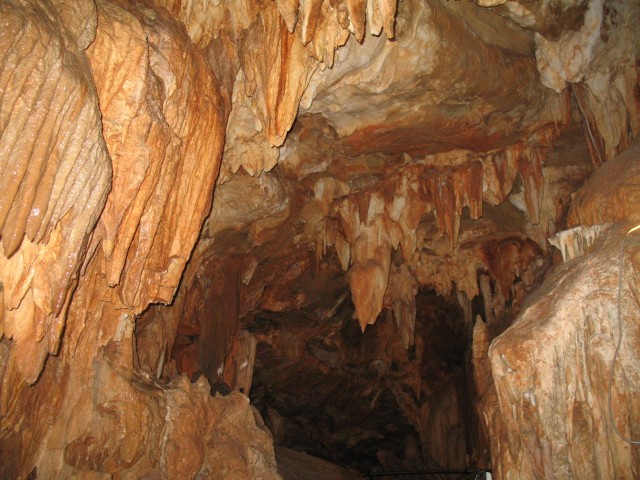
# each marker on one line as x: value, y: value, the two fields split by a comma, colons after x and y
x: 319, y: 239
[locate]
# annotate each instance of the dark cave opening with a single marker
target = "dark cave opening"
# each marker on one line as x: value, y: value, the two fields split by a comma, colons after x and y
x: 363, y: 400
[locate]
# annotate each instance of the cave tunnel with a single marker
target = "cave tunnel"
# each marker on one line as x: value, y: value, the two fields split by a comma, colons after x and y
x: 358, y: 400
x: 319, y: 239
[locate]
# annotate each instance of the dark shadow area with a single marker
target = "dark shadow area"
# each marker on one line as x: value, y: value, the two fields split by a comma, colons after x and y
x: 363, y: 400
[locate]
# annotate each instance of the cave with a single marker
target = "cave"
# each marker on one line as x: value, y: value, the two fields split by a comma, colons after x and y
x: 319, y: 239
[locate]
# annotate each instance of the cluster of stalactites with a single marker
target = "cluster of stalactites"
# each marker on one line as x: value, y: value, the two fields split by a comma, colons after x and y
x: 366, y: 226
x: 271, y: 51
x: 55, y: 171
x: 70, y: 121
x: 354, y: 14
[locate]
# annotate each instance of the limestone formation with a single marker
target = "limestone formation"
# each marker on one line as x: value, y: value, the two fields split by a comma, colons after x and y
x: 55, y: 172
x: 392, y: 228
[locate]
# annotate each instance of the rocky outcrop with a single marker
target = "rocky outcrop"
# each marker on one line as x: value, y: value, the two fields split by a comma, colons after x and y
x: 92, y: 413
x: 564, y: 372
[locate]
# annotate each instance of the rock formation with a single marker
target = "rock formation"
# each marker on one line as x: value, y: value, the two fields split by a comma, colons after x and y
x: 342, y: 210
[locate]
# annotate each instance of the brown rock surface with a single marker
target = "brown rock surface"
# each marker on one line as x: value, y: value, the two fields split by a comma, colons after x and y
x: 343, y: 209
x: 162, y: 121
x: 555, y: 401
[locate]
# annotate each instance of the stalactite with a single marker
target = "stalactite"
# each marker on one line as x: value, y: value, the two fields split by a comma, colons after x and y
x: 473, y: 189
x: 400, y: 297
x: 369, y: 273
x: 289, y: 11
x: 487, y: 296
x: 594, y: 140
x: 145, y: 261
x: 500, y: 169
x: 576, y: 241
x: 357, y: 16
x: 445, y: 208
x: 530, y: 167
x: 53, y: 184
x: 465, y: 304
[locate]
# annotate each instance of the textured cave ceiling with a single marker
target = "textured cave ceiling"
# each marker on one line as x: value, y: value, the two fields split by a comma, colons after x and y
x: 331, y: 206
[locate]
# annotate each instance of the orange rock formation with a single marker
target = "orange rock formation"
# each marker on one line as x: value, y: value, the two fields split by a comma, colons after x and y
x: 197, y: 197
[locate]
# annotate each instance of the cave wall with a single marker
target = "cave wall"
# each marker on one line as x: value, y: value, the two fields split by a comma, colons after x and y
x: 557, y: 403
x: 124, y: 120
x: 387, y: 156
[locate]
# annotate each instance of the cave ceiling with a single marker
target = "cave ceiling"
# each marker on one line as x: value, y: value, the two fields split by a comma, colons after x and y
x: 396, y: 142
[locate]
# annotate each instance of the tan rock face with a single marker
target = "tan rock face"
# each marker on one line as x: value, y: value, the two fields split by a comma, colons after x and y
x: 554, y: 401
x: 54, y: 183
x: 331, y: 206
x: 162, y: 119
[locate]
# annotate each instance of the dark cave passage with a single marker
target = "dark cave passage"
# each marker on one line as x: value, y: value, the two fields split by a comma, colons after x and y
x: 363, y: 400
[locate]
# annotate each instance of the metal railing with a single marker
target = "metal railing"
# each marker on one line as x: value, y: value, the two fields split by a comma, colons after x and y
x: 478, y: 474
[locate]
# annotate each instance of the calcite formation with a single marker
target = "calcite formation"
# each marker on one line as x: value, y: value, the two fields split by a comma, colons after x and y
x: 565, y: 412
x: 345, y: 210
x: 55, y: 172
x: 555, y: 401
x: 156, y: 120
